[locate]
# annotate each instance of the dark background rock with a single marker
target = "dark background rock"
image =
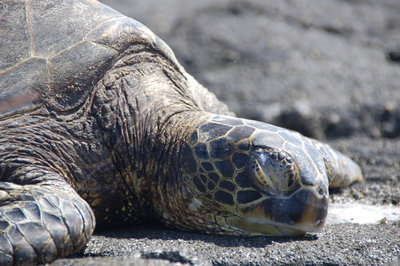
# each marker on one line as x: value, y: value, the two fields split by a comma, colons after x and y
x: 329, y: 69
x: 324, y: 68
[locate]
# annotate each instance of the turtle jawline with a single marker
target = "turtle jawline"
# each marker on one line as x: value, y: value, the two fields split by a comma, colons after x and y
x: 267, y: 228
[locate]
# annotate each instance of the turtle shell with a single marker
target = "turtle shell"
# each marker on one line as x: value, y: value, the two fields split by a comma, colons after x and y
x: 53, y: 52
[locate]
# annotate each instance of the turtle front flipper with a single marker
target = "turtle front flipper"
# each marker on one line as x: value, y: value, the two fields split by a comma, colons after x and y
x: 41, y: 222
x: 340, y: 169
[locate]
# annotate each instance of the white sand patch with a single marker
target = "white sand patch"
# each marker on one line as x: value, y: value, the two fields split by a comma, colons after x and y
x: 362, y: 214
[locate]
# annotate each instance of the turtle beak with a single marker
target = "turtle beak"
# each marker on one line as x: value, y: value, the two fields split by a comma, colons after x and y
x: 307, y: 209
x: 303, y: 211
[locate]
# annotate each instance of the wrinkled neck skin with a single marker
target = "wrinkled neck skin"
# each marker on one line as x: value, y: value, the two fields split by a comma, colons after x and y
x: 145, y: 113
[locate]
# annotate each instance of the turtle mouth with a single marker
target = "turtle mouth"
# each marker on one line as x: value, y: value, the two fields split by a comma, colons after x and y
x: 259, y: 227
x: 304, y: 211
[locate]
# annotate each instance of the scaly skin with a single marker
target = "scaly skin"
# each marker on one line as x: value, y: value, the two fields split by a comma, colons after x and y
x: 41, y: 215
x: 124, y: 135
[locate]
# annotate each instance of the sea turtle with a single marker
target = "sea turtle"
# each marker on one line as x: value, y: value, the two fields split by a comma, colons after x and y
x: 99, y: 123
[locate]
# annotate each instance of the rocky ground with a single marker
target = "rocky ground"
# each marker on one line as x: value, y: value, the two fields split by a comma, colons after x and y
x: 329, y: 69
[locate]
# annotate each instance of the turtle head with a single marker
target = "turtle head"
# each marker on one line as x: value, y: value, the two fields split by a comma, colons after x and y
x: 252, y: 178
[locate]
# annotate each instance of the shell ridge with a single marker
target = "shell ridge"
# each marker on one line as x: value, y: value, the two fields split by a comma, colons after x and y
x: 29, y: 26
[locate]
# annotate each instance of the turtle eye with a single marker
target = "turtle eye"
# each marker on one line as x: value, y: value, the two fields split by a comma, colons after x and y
x: 272, y: 169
